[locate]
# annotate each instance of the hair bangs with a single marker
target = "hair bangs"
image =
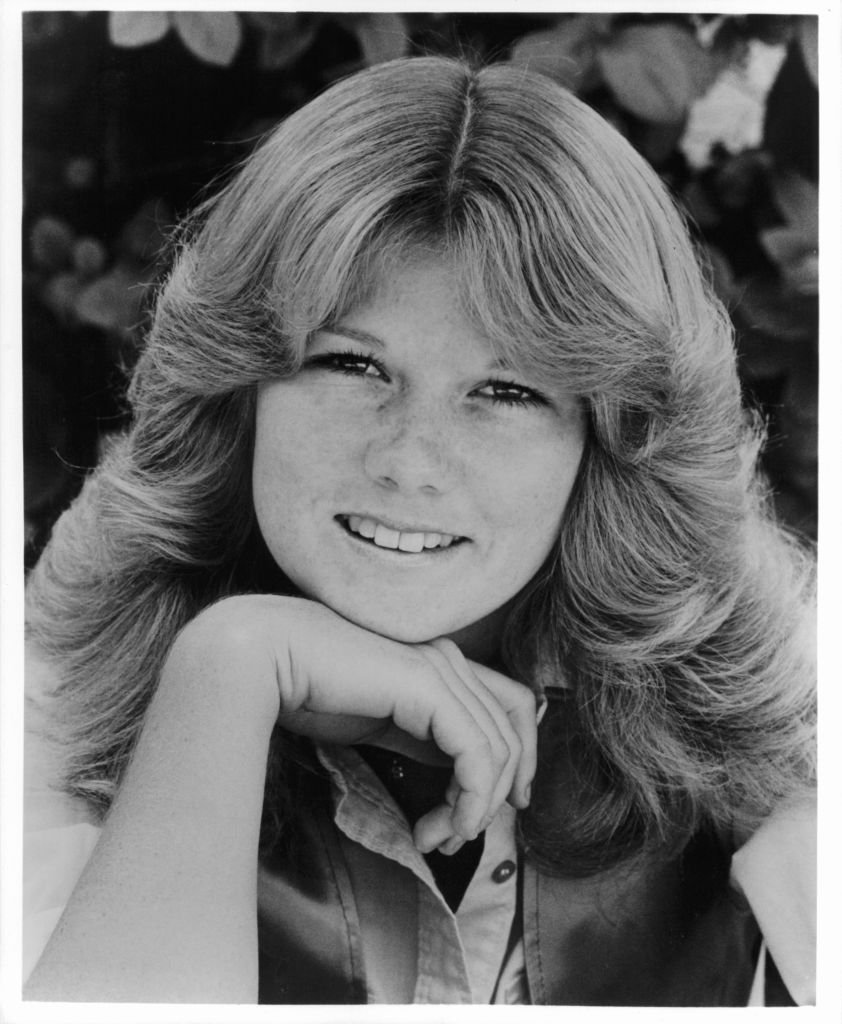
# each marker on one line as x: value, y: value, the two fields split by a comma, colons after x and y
x: 529, y: 308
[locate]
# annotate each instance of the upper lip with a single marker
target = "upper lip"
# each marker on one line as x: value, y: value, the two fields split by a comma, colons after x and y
x: 394, y: 524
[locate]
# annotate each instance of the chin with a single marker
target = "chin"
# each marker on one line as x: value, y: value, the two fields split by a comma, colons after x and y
x: 477, y: 639
x: 405, y: 624
x: 402, y: 631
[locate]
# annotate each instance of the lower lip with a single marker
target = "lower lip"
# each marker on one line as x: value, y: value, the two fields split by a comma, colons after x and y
x: 424, y: 557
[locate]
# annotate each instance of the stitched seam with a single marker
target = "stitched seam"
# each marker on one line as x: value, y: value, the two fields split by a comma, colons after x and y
x: 542, y: 995
x: 538, y: 944
x: 355, y: 970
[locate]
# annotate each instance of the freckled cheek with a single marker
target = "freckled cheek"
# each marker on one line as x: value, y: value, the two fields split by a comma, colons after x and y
x: 304, y: 440
x: 529, y: 490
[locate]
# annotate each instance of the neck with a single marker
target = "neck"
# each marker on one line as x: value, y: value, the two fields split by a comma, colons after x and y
x: 481, y: 640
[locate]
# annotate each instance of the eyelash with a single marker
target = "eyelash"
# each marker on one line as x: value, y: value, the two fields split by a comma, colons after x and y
x: 526, y: 398
x: 355, y: 364
x: 349, y: 363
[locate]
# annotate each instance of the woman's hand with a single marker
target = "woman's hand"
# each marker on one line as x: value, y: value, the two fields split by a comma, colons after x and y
x: 340, y: 683
x: 165, y: 908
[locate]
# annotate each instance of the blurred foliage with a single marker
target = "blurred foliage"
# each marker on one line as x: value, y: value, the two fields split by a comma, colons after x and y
x: 128, y: 116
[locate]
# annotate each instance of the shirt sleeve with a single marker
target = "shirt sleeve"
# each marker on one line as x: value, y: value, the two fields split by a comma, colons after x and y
x: 776, y: 872
x: 59, y: 831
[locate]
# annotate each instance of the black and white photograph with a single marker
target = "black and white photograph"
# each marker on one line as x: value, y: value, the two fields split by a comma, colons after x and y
x: 411, y: 511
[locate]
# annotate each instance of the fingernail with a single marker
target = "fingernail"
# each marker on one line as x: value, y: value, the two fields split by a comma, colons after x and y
x: 527, y: 793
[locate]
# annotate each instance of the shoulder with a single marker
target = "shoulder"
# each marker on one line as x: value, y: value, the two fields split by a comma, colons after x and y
x: 60, y: 831
x: 775, y: 869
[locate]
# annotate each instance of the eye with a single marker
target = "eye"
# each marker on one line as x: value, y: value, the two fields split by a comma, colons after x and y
x: 506, y: 392
x: 351, y: 364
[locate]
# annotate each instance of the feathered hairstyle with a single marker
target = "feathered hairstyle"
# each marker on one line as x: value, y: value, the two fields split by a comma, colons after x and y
x: 673, y: 611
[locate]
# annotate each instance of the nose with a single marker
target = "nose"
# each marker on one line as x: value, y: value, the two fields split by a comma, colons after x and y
x: 413, y: 448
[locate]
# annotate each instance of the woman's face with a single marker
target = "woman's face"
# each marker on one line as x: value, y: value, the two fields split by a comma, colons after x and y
x: 405, y: 478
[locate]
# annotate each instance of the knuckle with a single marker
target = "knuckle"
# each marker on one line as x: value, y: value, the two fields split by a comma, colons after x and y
x: 501, y: 754
x: 510, y: 736
x: 486, y: 751
x: 446, y: 646
x: 528, y: 700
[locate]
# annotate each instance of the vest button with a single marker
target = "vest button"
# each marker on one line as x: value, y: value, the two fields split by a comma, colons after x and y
x: 504, y: 871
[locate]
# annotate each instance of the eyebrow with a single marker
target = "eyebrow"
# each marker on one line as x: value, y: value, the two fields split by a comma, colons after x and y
x: 354, y: 334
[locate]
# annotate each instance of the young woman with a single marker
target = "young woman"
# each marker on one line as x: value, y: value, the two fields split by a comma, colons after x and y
x: 437, y: 435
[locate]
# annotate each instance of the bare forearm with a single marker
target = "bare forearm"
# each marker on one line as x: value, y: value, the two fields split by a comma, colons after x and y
x: 165, y: 910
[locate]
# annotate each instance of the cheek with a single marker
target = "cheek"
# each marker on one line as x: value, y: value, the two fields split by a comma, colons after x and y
x: 294, y: 437
x: 310, y: 427
x: 532, y: 488
x: 302, y: 453
x: 280, y: 457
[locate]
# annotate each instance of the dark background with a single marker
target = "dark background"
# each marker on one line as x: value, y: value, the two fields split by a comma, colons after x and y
x: 129, y: 116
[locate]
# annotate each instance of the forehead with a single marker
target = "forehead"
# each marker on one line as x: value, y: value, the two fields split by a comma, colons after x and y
x: 419, y: 306
x: 499, y: 302
x: 432, y: 285
x: 426, y: 281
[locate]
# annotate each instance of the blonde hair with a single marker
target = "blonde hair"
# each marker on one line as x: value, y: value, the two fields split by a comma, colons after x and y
x: 673, y: 607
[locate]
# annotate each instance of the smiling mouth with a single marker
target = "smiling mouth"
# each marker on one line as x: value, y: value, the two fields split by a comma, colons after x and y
x: 407, y: 541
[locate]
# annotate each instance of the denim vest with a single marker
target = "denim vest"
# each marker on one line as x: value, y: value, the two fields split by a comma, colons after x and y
x: 632, y: 936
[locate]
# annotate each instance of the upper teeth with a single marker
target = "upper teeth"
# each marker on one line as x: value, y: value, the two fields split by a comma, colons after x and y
x: 397, y: 540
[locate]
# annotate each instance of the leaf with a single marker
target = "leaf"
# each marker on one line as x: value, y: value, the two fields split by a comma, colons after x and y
x: 699, y: 205
x: 798, y: 423
x: 137, y: 28
x: 659, y: 141
x: 766, y: 309
x: 566, y: 52
x: 212, y: 36
x: 51, y: 243
x: 60, y: 295
x: 285, y: 38
x: 731, y: 113
x: 273, y: 22
x: 79, y: 172
x: 808, y: 38
x: 114, y: 301
x: 802, y: 275
x: 798, y: 200
x: 657, y: 71
x: 801, y: 396
x: 794, y: 247
x: 796, y: 257
x: 89, y: 257
x: 41, y: 27
x: 736, y: 182
x: 784, y: 245
x: 143, y: 238
x: 381, y: 37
